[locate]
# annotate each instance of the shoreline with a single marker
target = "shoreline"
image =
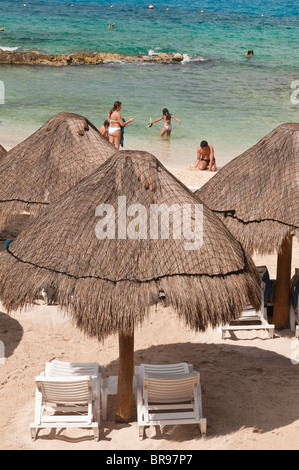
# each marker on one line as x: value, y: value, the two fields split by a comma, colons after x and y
x: 81, y: 58
x: 187, y: 174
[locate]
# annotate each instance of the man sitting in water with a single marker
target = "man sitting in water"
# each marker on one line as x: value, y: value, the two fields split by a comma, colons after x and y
x: 205, y: 157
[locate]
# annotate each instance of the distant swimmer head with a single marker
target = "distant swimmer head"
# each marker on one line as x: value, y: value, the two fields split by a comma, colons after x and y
x: 203, y: 144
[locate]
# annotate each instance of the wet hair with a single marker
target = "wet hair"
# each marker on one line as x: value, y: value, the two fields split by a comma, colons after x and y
x: 204, y: 143
x: 106, y: 123
x: 115, y: 106
x: 166, y: 113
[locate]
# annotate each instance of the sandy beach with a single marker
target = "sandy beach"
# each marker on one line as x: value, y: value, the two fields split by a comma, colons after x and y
x: 249, y: 382
x: 63, y: 65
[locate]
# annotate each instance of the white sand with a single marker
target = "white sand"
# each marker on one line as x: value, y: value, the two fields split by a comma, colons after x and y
x: 250, y: 385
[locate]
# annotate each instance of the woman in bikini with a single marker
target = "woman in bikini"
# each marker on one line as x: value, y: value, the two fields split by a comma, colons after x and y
x: 166, y: 116
x: 116, y: 123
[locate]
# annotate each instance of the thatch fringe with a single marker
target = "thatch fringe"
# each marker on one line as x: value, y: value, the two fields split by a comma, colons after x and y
x: 100, y: 308
x: 252, y: 235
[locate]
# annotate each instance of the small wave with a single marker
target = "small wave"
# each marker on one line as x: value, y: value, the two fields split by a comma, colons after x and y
x: 187, y: 58
x: 153, y: 52
x: 9, y: 49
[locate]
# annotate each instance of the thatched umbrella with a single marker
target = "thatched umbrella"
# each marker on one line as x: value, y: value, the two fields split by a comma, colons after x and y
x: 3, y: 152
x: 109, y: 263
x: 38, y: 170
x: 257, y: 196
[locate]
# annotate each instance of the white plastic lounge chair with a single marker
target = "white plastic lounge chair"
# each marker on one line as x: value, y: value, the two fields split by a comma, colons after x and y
x: 172, y: 399
x: 58, y: 369
x: 110, y: 384
x: 69, y: 369
x: 258, y: 319
x: 66, y: 395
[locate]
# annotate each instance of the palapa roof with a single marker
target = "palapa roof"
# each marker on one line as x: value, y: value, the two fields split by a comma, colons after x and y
x: 63, y: 151
x: 109, y: 284
x: 257, y: 193
x: 3, y: 152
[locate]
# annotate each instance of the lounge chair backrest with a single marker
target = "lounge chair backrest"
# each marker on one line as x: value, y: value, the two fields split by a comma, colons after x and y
x: 170, y: 389
x: 163, y: 370
x: 67, y: 390
x: 65, y: 369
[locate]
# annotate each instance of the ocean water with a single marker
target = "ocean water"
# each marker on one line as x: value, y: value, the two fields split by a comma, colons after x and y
x: 217, y: 93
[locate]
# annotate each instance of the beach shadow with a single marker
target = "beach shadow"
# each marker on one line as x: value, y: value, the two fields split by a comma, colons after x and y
x: 11, y: 333
x: 242, y: 387
x: 58, y: 434
x: 61, y: 434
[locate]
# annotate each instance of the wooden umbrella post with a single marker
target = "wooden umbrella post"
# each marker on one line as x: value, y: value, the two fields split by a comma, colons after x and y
x: 125, y: 378
x: 282, y: 288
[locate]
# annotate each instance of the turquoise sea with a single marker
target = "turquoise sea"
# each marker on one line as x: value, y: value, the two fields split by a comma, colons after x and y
x: 217, y: 93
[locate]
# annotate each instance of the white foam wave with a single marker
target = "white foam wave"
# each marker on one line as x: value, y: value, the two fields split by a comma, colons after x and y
x: 153, y: 52
x: 8, y: 49
x: 187, y: 58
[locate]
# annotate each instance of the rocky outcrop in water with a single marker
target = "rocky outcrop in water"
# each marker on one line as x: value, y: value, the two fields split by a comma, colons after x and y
x: 80, y: 58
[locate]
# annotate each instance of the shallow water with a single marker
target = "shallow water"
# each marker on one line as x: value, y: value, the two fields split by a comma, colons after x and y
x: 217, y: 93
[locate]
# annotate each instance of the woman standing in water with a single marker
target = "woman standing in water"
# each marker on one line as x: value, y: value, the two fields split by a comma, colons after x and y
x: 116, y: 122
x: 166, y: 116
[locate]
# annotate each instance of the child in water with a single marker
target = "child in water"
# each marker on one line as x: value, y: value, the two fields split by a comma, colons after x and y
x: 104, y: 129
x: 166, y: 116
